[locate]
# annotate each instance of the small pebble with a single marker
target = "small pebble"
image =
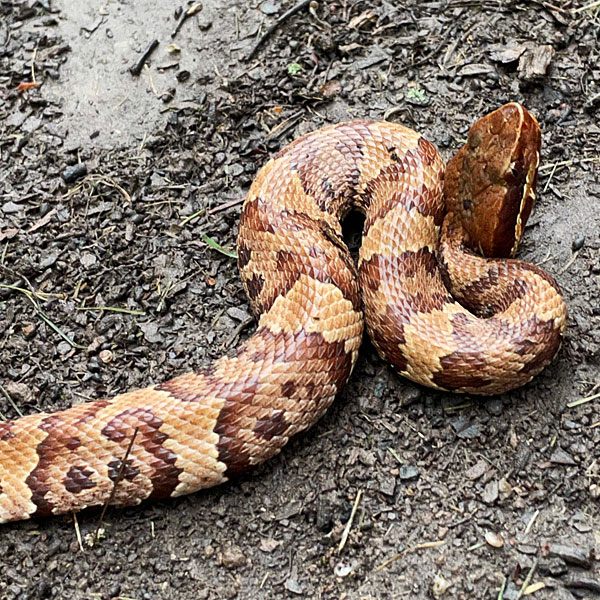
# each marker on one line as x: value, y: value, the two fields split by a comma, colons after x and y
x: 20, y: 392
x: 292, y: 585
x: 477, y: 470
x: 387, y: 486
x: 88, y: 260
x: 233, y: 557
x: 106, y: 356
x: 562, y: 457
x: 234, y: 170
x: 28, y: 330
x: 494, y: 406
x: 439, y: 586
x: 407, y: 472
x: 504, y: 487
x: 342, y: 569
x: 151, y: 332
x: 75, y: 172
x: 494, y: 540
x: 48, y: 261
x: 571, y: 555
x: 63, y: 348
x: 269, y: 8
x: 578, y: 243
x: 11, y: 207
x: 238, y: 314
x: 490, y: 492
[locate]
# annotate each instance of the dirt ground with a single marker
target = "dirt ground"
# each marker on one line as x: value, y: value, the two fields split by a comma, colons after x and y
x: 108, y: 182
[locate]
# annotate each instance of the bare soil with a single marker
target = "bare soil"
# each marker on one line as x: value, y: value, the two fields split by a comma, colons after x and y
x: 454, y: 497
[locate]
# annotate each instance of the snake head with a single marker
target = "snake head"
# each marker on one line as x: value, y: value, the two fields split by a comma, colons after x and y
x: 490, y: 183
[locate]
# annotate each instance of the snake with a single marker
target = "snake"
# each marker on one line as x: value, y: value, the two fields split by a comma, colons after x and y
x: 435, y: 284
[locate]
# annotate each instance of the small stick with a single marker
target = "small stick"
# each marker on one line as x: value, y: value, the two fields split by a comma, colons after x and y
x: 117, y: 480
x: 568, y: 163
x: 421, y: 546
x: 583, y: 400
x: 33, y: 66
x: 190, y: 12
x: 527, y: 579
x: 31, y: 297
x: 225, y: 206
x: 530, y: 524
x: 127, y: 311
x: 78, y: 532
x: 137, y: 67
x: 571, y: 261
x: 189, y: 218
x: 267, y: 34
x: 586, y: 7
x: 349, y: 523
x: 11, y: 402
x: 425, y: 58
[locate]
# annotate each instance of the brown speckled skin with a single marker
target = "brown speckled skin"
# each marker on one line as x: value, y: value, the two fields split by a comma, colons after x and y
x: 196, y: 430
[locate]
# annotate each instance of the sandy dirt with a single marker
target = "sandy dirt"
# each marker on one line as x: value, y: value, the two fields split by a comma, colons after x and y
x: 454, y: 497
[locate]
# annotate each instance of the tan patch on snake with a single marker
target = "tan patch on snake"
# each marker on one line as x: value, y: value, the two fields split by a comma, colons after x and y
x: 21, y: 444
x: 382, y: 238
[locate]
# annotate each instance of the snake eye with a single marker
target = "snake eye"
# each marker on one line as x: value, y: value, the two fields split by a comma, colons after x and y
x: 516, y: 169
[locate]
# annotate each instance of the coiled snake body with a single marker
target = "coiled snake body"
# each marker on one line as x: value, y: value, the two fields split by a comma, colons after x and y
x: 198, y: 429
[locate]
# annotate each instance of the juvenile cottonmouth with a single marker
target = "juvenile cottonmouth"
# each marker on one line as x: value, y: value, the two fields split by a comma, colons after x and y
x: 417, y: 261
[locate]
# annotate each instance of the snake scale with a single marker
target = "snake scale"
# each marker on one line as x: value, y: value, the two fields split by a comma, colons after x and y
x: 439, y: 312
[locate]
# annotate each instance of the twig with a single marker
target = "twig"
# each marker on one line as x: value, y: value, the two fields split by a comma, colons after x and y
x: 554, y: 167
x: 570, y: 262
x: 78, y: 532
x: 128, y: 311
x: 429, y: 55
x: 190, y: 12
x: 11, y: 402
x: 189, y: 218
x: 269, y: 32
x: 33, y: 65
x: 346, y: 532
x: 285, y: 125
x: 40, y: 295
x: 527, y: 579
x: 138, y: 65
x: 531, y: 521
x: 394, y: 558
x: 225, y: 206
x: 238, y: 330
x: 118, y: 478
x: 568, y: 163
x: 583, y: 400
x: 95, y: 180
x: 43, y: 221
x: 30, y: 296
x: 587, y: 7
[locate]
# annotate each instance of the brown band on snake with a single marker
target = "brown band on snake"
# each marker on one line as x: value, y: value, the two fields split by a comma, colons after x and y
x: 5, y: 430
x: 198, y: 429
